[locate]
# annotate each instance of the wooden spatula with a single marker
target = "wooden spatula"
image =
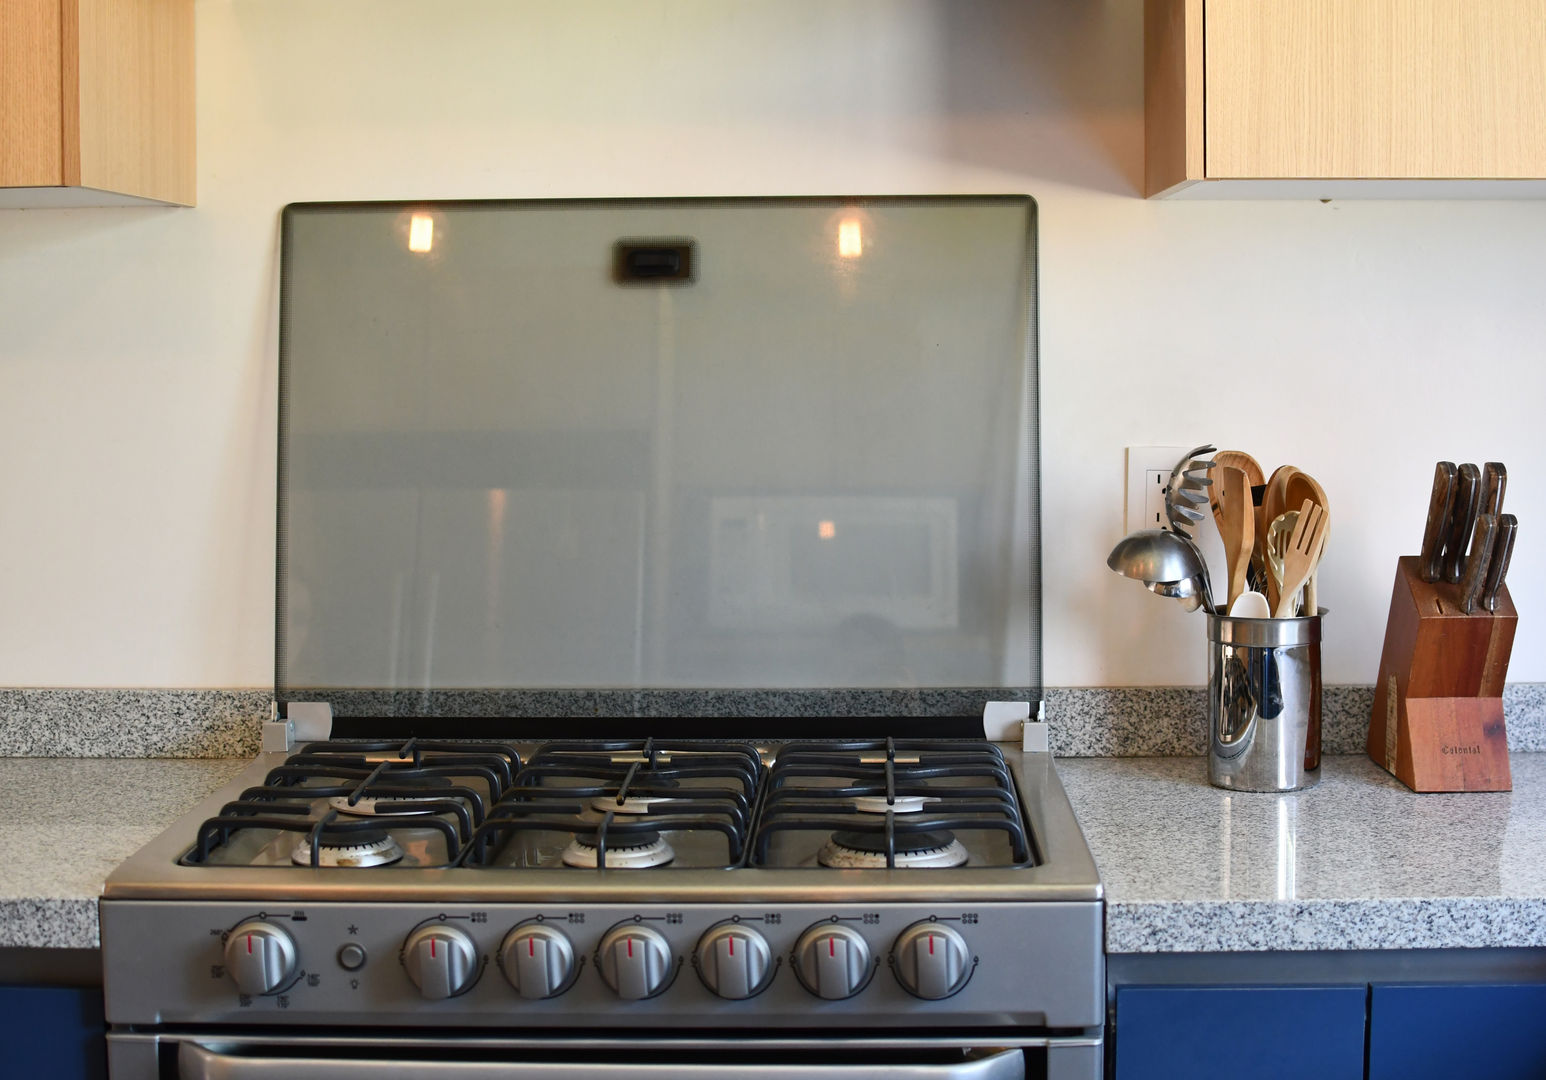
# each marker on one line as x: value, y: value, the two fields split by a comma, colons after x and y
x: 1236, y: 517
x: 1299, y: 487
x: 1255, y: 478
x: 1304, y: 552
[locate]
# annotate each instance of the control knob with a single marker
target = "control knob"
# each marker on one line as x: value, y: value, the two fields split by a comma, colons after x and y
x: 260, y: 957
x: 931, y: 961
x: 833, y: 961
x: 538, y: 960
x: 635, y: 961
x: 441, y: 960
x: 734, y: 961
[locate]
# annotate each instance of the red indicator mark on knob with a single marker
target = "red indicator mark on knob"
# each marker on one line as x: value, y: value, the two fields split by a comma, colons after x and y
x: 732, y: 945
x: 432, y: 948
x: 630, y: 948
x: 931, y: 944
x: 831, y: 946
x: 249, y: 944
x: 531, y: 946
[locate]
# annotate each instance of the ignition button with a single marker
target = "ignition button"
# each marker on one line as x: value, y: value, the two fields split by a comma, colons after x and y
x: 351, y: 957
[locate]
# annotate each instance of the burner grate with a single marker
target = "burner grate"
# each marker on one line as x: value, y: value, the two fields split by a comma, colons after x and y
x: 892, y: 796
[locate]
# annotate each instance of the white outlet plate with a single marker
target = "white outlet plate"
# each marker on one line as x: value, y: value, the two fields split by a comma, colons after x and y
x: 1148, y: 471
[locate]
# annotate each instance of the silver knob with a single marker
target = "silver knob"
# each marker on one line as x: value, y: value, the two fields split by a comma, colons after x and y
x: 260, y: 957
x: 931, y: 961
x: 832, y: 961
x: 441, y: 960
x: 538, y: 960
x: 635, y: 961
x: 733, y: 960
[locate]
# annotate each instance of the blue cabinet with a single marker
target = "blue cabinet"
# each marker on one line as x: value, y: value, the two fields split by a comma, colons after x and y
x: 53, y: 1032
x: 1239, y: 1032
x: 1457, y: 1030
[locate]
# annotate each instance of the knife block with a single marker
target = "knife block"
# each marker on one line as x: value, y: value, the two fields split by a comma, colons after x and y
x: 1438, y: 704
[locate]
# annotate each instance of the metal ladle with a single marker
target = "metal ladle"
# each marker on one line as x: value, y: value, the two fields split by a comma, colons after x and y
x: 1161, y: 557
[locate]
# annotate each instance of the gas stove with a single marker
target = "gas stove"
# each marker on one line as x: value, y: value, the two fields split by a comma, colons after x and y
x: 872, y: 887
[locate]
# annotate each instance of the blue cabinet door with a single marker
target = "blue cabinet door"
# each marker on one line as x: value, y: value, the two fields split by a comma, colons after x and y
x: 52, y: 1032
x: 1457, y: 1030
x: 1240, y: 1032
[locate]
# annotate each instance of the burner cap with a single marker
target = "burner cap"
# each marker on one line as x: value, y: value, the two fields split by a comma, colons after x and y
x: 349, y: 849
x: 902, y: 804
x: 633, y: 804
x: 926, y: 850
x: 434, y: 787
x: 642, y: 851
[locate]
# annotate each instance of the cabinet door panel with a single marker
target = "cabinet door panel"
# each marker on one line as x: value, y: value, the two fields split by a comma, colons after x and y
x: 1240, y: 1032
x: 1457, y: 1030
x: 1376, y: 88
x: 31, y: 97
x: 53, y: 1032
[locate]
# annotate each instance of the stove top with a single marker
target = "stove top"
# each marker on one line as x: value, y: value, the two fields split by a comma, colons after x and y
x: 598, y: 805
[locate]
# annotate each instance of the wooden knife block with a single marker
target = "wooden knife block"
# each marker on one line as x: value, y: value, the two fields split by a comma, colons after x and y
x: 1438, y: 705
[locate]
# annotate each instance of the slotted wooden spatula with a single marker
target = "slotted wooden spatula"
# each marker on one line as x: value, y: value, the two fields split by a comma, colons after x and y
x: 1303, y: 554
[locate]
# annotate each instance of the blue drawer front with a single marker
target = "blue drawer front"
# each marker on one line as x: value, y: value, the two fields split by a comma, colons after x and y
x: 52, y: 1032
x: 1457, y: 1030
x: 1240, y: 1033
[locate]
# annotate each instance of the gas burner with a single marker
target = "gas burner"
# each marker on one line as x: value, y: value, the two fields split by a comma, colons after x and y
x: 648, y: 850
x: 924, y: 850
x: 355, y: 850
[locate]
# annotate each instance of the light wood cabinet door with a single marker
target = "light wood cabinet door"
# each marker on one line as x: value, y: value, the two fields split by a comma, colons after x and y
x: 1356, y: 90
x: 1376, y: 88
x: 96, y: 102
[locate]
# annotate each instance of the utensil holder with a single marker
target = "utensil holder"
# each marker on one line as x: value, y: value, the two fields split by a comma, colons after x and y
x: 1438, y: 704
x: 1264, y: 703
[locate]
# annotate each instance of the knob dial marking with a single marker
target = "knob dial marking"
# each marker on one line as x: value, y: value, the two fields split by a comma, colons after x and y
x: 734, y: 961
x: 635, y: 961
x: 833, y: 961
x: 931, y: 960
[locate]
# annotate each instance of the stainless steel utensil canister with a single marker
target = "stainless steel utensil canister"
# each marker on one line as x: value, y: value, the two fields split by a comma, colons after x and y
x: 1264, y: 703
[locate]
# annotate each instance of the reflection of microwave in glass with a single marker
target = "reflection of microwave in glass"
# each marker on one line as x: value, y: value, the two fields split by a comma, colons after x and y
x: 782, y: 562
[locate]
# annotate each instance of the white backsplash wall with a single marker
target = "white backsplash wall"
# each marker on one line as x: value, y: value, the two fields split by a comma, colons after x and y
x: 1359, y: 340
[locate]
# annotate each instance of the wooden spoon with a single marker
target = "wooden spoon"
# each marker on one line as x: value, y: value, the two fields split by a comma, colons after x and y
x: 1236, y: 518
x: 1300, y: 486
x: 1255, y: 478
x: 1304, y: 552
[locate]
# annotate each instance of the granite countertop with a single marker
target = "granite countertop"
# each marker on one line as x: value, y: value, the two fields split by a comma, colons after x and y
x: 65, y: 823
x: 1358, y: 862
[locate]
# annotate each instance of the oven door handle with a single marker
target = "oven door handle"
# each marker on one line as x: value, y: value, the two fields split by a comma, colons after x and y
x: 196, y: 1062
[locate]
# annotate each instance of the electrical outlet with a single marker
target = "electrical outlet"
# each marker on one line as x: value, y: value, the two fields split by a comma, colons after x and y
x: 1148, y: 473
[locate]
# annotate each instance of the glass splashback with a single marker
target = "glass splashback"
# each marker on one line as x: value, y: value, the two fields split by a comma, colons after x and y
x: 675, y: 444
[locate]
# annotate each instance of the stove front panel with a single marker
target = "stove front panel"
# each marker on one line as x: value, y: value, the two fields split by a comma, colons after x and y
x: 1031, y: 964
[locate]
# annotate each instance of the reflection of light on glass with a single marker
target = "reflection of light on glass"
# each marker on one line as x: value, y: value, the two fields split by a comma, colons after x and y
x: 826, y: 529
x: 497, y: 497
x: 850, y: 241
x: 421, y: 233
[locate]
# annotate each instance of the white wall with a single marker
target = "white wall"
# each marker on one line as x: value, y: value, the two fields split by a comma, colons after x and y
x: 137, y: 346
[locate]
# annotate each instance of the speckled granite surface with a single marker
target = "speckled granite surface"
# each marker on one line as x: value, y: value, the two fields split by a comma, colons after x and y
x: 1358, y: 862
x: 1168, y: 721
x: 55, y: 862
x: 48, y: 722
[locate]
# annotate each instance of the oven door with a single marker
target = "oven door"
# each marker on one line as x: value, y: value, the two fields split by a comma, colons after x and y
x: 320, y: 1057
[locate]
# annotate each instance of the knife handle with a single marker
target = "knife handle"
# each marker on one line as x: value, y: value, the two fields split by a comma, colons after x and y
x: 1462, y: 520
x: 1502, y: 552
x: 1439, y: 505
x: 1494, y: 481
x: 1478, y: 561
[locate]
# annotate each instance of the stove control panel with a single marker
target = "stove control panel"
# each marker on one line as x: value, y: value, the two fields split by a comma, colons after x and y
x: 631, y: 966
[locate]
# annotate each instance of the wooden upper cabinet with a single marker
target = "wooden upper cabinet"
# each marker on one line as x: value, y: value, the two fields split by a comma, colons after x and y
x: 96, y: 102
x: 1428, y: 90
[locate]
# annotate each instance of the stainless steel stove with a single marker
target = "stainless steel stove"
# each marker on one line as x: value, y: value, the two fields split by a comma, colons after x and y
x: 441, y: 897
x: 552, y: 472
